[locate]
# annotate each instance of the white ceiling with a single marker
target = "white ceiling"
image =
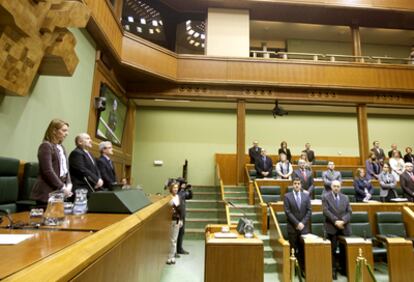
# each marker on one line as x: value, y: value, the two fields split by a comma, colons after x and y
x: 263, y: 30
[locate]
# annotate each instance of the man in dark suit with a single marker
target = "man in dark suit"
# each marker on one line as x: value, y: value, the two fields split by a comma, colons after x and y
x: 264, y: 165
x: 298, y: 212
x: 105, y: 165
x: 407, y: 181
x: 185, y: 192
x: 337, y: 212
x: 394, y: 148
x: 310, y: 153
x: 305, y: 177
x: 82, y: 165
x: 379, y: 152
x: 254, y: 152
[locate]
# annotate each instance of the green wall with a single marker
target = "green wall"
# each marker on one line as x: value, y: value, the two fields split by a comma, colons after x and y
x: 173, y: 135
x: 391, y: 129
x: 329, y: 134
x: 23, y: 120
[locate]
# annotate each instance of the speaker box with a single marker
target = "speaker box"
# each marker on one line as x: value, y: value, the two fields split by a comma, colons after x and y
x: 122, y: 201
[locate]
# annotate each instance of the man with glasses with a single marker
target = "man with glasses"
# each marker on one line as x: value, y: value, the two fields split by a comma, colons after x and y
x: 105, y: 165
x: 407, y: 181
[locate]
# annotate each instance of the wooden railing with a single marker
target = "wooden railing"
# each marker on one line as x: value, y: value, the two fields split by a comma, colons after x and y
x: 281, y: 248
x: 226, y: 206
x: 262, y: 208
x: 408, y: 216
x: 330, y: 57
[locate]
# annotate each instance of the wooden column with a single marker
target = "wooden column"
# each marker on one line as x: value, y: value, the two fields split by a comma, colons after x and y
x: 356, y: 42
x: 362, y: 132
x: 241, y: 136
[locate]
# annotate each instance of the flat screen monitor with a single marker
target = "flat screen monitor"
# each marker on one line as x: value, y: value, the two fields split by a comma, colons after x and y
x: 111, y: 121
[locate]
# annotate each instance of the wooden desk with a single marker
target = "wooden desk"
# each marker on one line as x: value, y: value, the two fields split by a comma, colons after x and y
x: 318, y: 259
x: 352, y: 246
x: 132, y: 249
x: 400, y: 259
x: 44, y: 243
x: 85, y: 222
x: 232, y: 260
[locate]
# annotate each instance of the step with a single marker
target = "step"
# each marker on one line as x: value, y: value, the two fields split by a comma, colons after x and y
x: 213, y: 189
x: 202, y: 222
x: 244, y: 207
x: 204, y: 204
x: 238, y: 200
x: 228, y: 194
x: 267, y: 252
x: 270, y: 265
x: 237, y: 215
x: 206, y: 196
x: 194, y: 234
x: 235, y: 189
x: 205, y: 213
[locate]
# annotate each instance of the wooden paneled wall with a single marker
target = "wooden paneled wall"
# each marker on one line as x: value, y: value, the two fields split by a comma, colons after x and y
x: 122, y: 158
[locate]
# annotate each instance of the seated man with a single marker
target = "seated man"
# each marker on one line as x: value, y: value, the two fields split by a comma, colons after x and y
x: 305, y: 176
x: 330, y: 175
x: 283, y: 168
x: 337, y: 212
x: 254, y: 152
x: 82, y: 165
x: 298, y: 212
x: 407, y: 181
x: 264, y: 165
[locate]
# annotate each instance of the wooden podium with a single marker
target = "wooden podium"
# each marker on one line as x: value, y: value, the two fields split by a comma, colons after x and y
x: 352, y: 246
x: 400, y: 259
x: 232, y: 259
x: 318, y: 261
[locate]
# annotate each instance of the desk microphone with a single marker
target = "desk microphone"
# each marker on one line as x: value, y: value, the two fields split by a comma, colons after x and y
x: 89, y: 185
x: 243, y: 221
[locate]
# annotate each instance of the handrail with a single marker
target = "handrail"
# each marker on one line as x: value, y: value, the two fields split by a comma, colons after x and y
x: 408, y: 216
x: 225, y: 203
x: 278, y: 231
x: 259, y: 194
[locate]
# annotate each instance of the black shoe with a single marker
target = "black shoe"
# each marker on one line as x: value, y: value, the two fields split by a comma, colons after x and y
x: 177, y: 255
x: 183, y: 252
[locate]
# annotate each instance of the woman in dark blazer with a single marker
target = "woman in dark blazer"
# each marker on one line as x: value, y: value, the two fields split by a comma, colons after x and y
x: 53, y: 164
x: 409, y: 157
x: 284, y: 149
x: 363, y: 186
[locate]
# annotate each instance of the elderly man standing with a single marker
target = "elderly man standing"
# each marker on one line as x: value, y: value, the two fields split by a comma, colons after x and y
x: 330, y: 175
x: 254, y: 152
x: 82, y: 165
x: 407, y: 181
x: 337, y: 212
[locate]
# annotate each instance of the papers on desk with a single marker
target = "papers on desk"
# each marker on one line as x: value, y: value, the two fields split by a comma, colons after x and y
x: 228, y: 235
x: 13, y: 239
x: 316, y: 202
x: 309, y: 236
x: 399, y: 200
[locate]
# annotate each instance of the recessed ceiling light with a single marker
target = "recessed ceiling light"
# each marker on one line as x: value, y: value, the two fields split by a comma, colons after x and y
x: 126, y: 27
x: 143, y: 21
x: 188, y: 22
x: 151, y: 31
x: 131, y: 19
x: 139, y: 29
x: 160, y: 22
x: 203, y: 36
x: 196, y: 44
x: 191, y: 41
x: 157, y: 30
x: 154, y: 23
x: 196, y: 34
x: 190, y: 32
x: 203, y: 45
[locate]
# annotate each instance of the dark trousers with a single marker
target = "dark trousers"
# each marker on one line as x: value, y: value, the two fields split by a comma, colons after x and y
x: 391, y: 195
x: 181, y: 237
x: 337, y: 260
x: 297, y: 244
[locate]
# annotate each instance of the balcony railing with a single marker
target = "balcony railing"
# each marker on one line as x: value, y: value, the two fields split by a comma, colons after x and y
x: 330, y: 57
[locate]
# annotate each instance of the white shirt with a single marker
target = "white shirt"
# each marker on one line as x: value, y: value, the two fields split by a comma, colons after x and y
x: 62, y: 161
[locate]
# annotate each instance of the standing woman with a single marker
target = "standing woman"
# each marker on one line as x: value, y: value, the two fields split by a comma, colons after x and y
x: 53, y: 164
x: 284, y: 149
x: 176, y: 223
x: 396, y: 164
x: 388, y: 184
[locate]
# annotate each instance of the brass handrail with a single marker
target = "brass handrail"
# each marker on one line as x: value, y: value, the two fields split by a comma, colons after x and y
x: 259, y: 194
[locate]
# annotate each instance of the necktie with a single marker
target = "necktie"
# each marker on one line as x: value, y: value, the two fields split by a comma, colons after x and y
x: 90, y: 157
x: 337, y: 201
x: 264, y: 163
x: 298, y: 202
x: 412, y: 176
x: 304, y: 175
x: 110, y: 163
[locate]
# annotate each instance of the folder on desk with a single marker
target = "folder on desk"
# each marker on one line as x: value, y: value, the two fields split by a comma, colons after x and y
x: 13, y: 239
x: 229, y: 235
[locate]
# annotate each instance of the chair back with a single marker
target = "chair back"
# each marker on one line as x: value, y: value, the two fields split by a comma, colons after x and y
x: 391, y: 224
x: 282, y: 220
x: 9, y: 186
x: 360, y: 225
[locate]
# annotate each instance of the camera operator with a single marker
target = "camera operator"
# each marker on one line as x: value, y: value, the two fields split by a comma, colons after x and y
x: 185, y: 193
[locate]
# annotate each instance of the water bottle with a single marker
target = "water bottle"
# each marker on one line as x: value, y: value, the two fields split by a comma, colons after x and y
x: 80, y: 205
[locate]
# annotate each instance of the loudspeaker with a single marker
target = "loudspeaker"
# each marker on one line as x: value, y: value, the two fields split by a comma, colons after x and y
x: 122, y: 201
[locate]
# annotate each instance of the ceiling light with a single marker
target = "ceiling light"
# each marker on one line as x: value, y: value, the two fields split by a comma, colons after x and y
x: 190, y: 32
x: 196, y: 34
x: 160, y: 22
x: 126, y: 27
x: 139, y: 29
x: 203, y: 36
x: 143, y: 21
x: 157, y: 30
x: 154, y: 23
x: 131, y: 19
x: 191, y: 41
x: 188, y: 22
x: 151, y: 31
x: 196, y: 44
x: 203, y: 45
x: 188, y: 27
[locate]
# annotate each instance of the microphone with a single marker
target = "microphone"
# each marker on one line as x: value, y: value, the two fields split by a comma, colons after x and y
x: 236, y: 207
x: 89, y: 185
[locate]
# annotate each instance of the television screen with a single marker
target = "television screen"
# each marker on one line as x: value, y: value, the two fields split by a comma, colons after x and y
x: 111, y: 121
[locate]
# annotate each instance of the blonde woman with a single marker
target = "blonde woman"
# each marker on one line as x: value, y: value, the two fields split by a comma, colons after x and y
x: 176, y: 222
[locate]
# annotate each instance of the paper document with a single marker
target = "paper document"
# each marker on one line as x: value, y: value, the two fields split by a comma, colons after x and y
x: 13, y: 239
x: 225, y: 235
